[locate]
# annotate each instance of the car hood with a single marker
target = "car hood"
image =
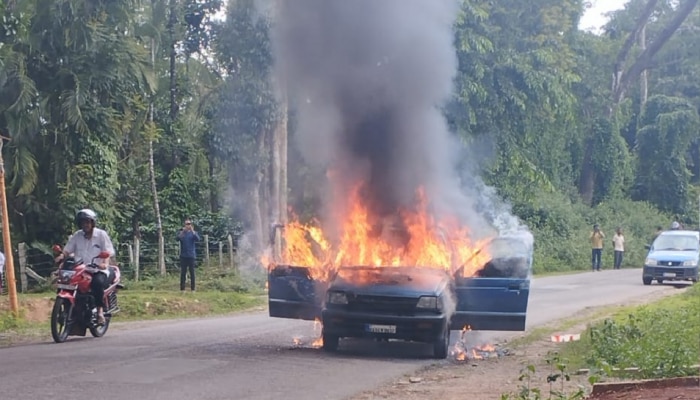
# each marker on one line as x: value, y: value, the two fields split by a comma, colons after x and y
x: 673, y: 255
x: 391, y: 281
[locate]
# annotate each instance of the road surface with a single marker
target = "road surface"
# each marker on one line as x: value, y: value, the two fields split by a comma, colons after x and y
x: 252, y: 356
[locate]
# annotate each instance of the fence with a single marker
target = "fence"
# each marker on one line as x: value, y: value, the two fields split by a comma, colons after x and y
x: 135, y: 259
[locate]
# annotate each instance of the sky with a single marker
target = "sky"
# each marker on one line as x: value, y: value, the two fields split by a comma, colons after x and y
x: 594, y: 17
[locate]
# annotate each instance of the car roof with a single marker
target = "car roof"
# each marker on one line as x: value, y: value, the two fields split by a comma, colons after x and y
x: 681, y: 233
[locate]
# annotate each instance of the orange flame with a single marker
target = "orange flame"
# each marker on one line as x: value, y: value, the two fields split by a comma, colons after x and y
x: 318, y: 329
x: 412, y: 238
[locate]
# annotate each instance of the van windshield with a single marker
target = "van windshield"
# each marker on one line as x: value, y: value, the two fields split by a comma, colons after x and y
x: 677, y: 243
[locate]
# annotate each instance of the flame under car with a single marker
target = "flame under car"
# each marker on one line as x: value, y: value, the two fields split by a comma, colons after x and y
x: 419, y: 304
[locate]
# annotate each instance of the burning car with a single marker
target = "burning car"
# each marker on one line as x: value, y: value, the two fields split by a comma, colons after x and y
x: 411, y: 303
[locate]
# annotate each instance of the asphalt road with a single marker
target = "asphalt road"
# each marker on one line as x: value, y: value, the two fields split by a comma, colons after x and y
x: 252, y: 356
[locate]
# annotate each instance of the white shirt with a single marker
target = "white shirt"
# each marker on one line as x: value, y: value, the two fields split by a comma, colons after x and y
x: 87, y: 249
x: 619, y: 242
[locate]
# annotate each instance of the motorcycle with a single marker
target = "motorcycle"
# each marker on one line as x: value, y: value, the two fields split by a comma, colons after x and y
x: 74, y: 310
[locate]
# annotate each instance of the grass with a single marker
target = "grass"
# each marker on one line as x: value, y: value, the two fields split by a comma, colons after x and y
x: 658, y: 340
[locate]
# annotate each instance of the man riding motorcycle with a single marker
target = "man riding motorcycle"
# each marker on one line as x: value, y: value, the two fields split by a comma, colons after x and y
x: 86, y: 244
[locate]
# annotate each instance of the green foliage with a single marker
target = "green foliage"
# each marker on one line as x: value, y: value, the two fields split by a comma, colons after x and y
x: 668, y: 126
x: 556, y: 379
x: 659, y: 340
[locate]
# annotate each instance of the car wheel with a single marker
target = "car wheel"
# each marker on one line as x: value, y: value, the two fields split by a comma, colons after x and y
x: 441, y: 345
x: 330, y: 342
x: 659, y: 281
x: 646, y: 280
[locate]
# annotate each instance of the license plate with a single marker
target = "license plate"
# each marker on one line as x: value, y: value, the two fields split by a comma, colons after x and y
x: 66, y: 287
x: 380, y: 328
x: 669, y: 274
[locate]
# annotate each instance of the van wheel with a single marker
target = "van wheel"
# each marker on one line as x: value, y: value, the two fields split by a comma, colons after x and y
x: 646, y: 280
x: 330, y: 343
x: 441, y: 345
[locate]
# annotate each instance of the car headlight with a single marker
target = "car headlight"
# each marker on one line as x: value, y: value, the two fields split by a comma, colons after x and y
x: 429, y: 302
x: 65, y: 276
x: 650, y: 262
x: 337, y: 298
x: 690, y: 263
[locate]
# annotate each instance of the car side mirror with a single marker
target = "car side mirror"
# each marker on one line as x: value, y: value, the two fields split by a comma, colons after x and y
x: 648, y: 247
x: 103, y: 254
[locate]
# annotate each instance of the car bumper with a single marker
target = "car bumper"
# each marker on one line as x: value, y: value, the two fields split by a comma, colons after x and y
x: 422, y: 328
x: 670, y: 273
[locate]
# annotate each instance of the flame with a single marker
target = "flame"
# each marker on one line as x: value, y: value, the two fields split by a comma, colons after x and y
x: 413, y: 237
x: 462, y: 353
x: 318, y: 330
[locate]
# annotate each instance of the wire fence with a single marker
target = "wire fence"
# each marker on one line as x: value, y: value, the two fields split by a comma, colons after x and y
x: 34, y: 266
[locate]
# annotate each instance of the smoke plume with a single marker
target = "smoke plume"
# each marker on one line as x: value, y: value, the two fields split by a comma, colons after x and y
x: 368, y: 80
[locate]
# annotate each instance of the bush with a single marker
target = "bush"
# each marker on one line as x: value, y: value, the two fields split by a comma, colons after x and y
x: 562, y: 227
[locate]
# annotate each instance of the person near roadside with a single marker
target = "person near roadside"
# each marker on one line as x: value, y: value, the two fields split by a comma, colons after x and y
x: 597, y: 237
x: 188, y: 254
x: 619, y: 247
x: 86, y: 244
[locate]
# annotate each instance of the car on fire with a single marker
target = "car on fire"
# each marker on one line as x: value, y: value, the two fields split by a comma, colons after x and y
x: 421, y: 304
x: 673, y: 256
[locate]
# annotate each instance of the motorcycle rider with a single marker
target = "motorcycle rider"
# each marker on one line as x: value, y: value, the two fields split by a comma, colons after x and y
x: 87, y: 243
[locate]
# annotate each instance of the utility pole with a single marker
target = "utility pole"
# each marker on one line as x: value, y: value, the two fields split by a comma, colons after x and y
x: 9, y: 264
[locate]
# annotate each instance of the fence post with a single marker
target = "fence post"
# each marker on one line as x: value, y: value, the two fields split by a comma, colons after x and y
x: 137, y: 252
x: 230, y: 251
x: 22, y: 252
x: 206, y: 250
x: 221, y: 255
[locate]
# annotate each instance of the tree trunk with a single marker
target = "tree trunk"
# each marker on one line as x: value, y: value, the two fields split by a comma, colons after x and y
x: 587, y: 179
x: 644, y: 85
x: 172, y: 21
x: 154, y: 188
x: 643, y: 61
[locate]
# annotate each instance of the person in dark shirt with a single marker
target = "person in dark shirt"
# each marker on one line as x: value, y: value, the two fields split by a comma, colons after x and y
x: 188, y: 254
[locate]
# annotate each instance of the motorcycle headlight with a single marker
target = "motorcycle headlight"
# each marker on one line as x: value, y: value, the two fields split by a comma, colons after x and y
x: 690, y: 263
x: 337, y: 298
x: 65, y: 276
x: 429, y: 303
x: 650, y: 262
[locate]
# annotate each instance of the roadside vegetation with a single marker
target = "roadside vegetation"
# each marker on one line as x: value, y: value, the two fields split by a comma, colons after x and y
x: 657, y: 340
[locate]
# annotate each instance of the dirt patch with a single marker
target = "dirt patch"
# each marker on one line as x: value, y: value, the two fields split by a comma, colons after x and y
x: 674, y: 388
x: 33, y: 309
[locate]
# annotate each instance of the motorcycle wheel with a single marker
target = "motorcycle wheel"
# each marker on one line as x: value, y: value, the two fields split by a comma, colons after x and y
x: 60, y: 326
x: 99, y: 331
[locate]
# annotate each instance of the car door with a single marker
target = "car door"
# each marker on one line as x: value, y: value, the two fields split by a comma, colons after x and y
x: 496, y: 298
x: 491, y: 304
x: 294, y: 293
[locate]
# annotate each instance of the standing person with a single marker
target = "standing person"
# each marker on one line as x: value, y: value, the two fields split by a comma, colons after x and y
x: 619, y: 247
x: 597, y: 237
x: 188, y: 254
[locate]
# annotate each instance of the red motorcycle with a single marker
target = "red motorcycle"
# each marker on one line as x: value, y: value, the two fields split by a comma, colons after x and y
x: 74, y: 309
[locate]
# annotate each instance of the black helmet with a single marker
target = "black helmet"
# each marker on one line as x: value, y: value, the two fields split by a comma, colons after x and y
x: 84, y: 214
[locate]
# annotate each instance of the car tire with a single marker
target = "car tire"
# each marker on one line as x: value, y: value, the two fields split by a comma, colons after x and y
x: 441, y: 345
x: 660, y: 281
x: 646, y: 280
x: 330, y: 343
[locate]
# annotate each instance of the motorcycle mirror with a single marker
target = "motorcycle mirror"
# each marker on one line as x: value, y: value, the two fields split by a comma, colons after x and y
x: 103, y: 254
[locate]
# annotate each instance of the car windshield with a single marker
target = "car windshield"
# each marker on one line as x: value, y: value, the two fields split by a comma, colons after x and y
x: 676, y: 242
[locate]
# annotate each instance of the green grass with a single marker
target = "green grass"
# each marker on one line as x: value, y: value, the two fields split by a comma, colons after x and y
x: 658, y: 340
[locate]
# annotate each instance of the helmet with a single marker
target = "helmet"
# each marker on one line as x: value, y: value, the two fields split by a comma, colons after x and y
x: 675, y: 225
x: 84, y: 214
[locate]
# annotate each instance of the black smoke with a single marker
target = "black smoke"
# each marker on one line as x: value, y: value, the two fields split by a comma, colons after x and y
x: 368, y: 79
